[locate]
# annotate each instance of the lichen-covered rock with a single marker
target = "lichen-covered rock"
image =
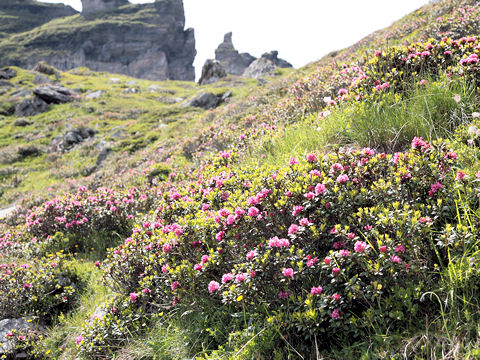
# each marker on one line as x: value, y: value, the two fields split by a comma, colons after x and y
x: 54, y: 94
x: 30, y: 106
x: 233, y: 62
x: 212, y: 71
x: 273, y: 57
x: 259, y: 68
x: 204, y: 100
x: 145, y: 40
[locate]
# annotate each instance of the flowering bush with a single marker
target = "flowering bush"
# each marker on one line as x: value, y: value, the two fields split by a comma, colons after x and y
x: 328, y: 245
x: 39, y: 288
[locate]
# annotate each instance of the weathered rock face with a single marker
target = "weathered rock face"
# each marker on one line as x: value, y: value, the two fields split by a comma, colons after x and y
x: 233, y: 62
x: 22, y: 15
x: 93, y: 6
x: 146, y: 41
x: 212, y: 71
x: 273, y: 57
x: 259, y: 68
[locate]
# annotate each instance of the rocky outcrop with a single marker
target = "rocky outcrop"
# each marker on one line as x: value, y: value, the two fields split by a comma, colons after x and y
x: 237, y: 64
x: 146, y: 41
x: 259, y: 68
x: 212, y: 71
x: 206, y: 100
x: 22, y: 15
x: 95, y: 6
x: 233, y: 62
x: 273, y: 57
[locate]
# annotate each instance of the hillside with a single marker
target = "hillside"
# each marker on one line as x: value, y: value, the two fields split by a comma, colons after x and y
x: 330, y: 212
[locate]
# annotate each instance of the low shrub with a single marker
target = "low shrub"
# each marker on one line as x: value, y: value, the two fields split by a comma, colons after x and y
x: 333, y: 247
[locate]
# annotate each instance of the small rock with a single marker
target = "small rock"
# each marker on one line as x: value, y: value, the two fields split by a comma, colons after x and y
x: 226, y: 96
x: 153, y: 88
x: 22, y: 122
x: 169, y: 100
x: 54, y: 94
x: 30, y: 107
x: 21, y: 93
x: 262, y: 81
x: 212, y: 71
x: 44, y: 68
x: 40, y: 79
x: 30, y: 150
x: 259, y: 68
x: 117, y: 133
x: 205, y: 100
x: 7, y: 73
x: 131, y: 91
x: 4, y: 83
x: 115, y: 80
x: 94, y: 95
x: 131, y: 82
x: 6, y: 326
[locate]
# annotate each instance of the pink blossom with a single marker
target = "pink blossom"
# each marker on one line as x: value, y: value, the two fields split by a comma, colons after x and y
x: 175, y: 285
x: 336, y: 297
x: 78, y: 340
x: 335, y: 314
x: 311, y: 158
x: 287, y: 272
x: 293, y: 161
x: 342, y: 92
x: 327, y: 260
x: 383, y: 249
x: 320, y: 189
x: 296, y: 210
x: 165, y: 269
x: 241, y: 277
x: 336, y: 167
x: 316, y: 290
x: 344, y: 253
x: 284, y: 295
x: 460, y: 175
x: 253, y: 211
x: 342, y: 179
x: 395, y: 259
x: 227, y: 277
x: 146, y: 291
x: 205, y: 259
x: 293, y: 229
x: 335, y: 270
x: 400, y: 248
x: 213, y: 286
x: 27, y: 286
x: 166, y: 248
x: 305, y: 222
x: 133, y: 297
x: 251, y: 254
x: 275, y: 242
x: 309, y: 195
x: 197, y: 267
x: 360, y: 246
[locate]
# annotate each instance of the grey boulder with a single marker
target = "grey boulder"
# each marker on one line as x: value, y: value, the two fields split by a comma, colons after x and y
x: 212, y: 71
x: 259, y: 68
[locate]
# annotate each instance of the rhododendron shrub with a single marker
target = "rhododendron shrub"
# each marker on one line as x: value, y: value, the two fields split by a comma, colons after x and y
x: 317, y: 253
x: 38, y: 288
x: 86, y: 214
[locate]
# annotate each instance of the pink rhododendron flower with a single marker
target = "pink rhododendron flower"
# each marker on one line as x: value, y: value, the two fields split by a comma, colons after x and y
x: 316, y: 290
x: 275, y: 242
x: 360, y: 246
x: 320, y: 189
x: 251, y: 254
x: 400, y: 248
x: 327, y: 260
x: 335, y: 270
x: 175, y: 285
x: 287, y: 272
x: 336, y: 167
x: 460, y: 175
x: 342, y: 92
x: 344, y: 253
x: 293, y: 229
x: 342, y: 179
x: 305, y: 222
x: 284, y: 295
x: 292, y: 161
x: 197, y: 267
x: 310, y: 195
x: 227, y: 277
x: 241, y: 277
x: 335, y: 314
x: 205, y: 259
x: 297, y: 210
x: 78, y: 340
x: 213, y: 286
x: 311, y: 158
x: 133, y: 297
x: 253, y: 211
x: 336, y: 297
x: 395, y: 259
x: 383, y: 249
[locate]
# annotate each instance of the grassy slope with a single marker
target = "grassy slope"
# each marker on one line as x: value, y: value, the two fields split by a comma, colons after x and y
x: 145, y: 142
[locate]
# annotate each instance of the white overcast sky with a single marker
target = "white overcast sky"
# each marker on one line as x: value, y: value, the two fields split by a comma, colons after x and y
x: 301, y: 30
